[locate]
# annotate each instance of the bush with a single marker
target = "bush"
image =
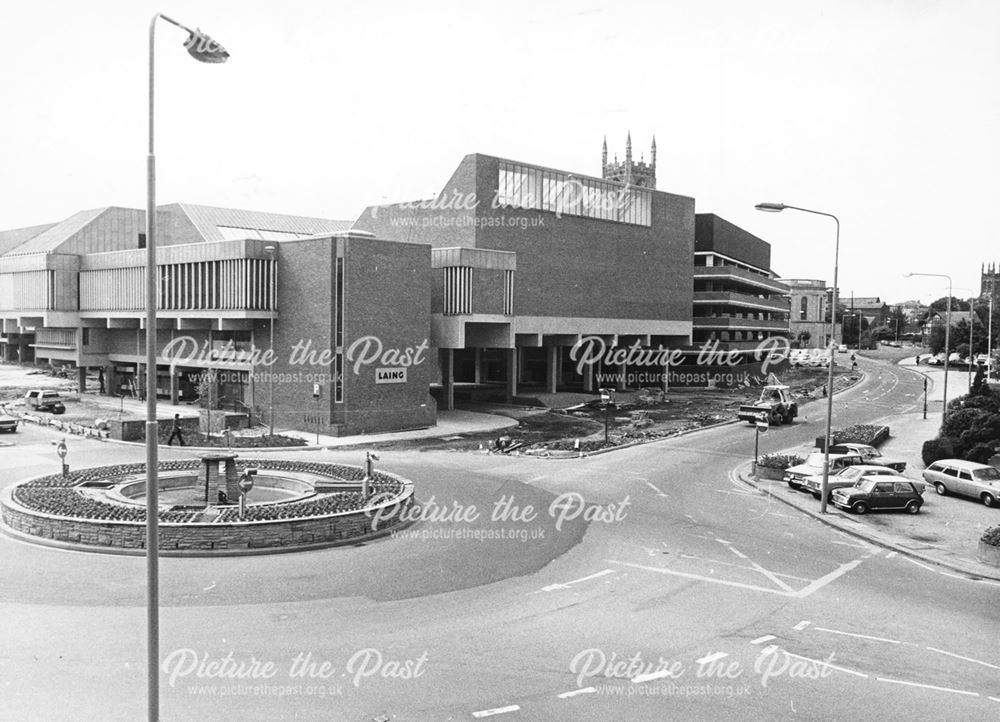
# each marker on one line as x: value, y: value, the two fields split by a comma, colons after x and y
x: 991, y: 536
x: 779, y: 461
x: 939, y: 448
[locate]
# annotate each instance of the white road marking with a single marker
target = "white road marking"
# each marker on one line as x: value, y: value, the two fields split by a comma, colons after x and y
x: 995, y: 699
x: 768, y: 649
x: 741, y: 555
x: 649, y: 677
x: 498, y: 710
x: 761, y: 640
x: 758, y: 568
x: 722, y: 541
x: 699, y: 577
x: 826, y: 664
x: 740, y: 566
x: 890, y: 555
x: 823, y: 581
x: 711, y: 657
x: 923, y: 566
x: 861, y: 636
x: 865, y: 547
x: 735, y: 493
x: 564, y: 585
x: 800, y: 626
x: 967, y: 659
x: 575, y: 692
x: 928, y: 686
x: 655, y: 489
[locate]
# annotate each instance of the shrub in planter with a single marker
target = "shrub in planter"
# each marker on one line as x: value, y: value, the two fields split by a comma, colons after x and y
x: 858, y: 434
x: 779, y: 461
x: 991, y: 536
x: 934, y: 449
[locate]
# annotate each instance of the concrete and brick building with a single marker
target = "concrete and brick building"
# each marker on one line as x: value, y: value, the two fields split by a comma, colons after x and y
x: 515, y: 276
x: 738, y: 300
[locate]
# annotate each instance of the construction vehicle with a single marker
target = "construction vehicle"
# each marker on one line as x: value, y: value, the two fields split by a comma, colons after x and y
x: 775, y: 407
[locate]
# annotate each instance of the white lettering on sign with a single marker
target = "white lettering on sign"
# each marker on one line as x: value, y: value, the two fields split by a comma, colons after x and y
x: 390, y: 375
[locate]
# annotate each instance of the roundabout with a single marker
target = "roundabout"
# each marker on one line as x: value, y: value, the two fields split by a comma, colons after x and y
x: 218, y: 504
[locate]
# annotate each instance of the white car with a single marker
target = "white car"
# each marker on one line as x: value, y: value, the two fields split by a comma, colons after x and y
x: 796, y: 475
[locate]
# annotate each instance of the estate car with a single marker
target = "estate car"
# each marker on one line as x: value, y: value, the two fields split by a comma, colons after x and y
x: 966, y: 478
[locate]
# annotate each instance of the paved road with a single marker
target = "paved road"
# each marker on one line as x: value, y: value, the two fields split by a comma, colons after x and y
x: 683, y: 595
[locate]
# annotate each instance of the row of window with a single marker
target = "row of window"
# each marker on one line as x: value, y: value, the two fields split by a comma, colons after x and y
x: 520, y: 186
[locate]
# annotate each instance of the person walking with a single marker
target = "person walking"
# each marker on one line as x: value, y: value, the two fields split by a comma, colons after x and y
x: 176, y: 432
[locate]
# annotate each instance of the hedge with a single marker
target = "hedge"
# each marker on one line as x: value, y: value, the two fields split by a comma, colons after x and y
x: 939, y: 448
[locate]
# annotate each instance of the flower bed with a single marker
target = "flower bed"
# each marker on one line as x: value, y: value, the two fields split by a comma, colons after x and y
x: 772, y: 466
x: 989, y: 547
x: 870, y: 434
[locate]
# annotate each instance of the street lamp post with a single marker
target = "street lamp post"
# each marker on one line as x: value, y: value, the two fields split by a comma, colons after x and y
x: 274, y: 305
x: 202, y: 48
x: 947, y: 336
x: 777, y: 208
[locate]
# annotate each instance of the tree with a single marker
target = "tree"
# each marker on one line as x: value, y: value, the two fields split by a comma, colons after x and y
x: 957, y: 304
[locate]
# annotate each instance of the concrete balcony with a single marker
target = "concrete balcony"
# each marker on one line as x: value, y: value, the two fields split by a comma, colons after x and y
x: 742, y: 300
x: 740, y: 276
x: 724, y: 323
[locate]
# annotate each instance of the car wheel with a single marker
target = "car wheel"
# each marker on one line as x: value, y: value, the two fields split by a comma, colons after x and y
x: 989, y: 500
x: 859, y: 507
x: 939, y: 488
x: 777, y: 419
x: 912, y: 507
x: 817, y: 497
x: 793, y: 485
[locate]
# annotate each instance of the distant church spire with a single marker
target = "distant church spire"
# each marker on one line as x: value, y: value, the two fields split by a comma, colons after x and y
x: 629, y: 172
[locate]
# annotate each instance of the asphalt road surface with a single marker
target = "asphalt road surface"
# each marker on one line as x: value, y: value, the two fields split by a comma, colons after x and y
x: 676, y: 592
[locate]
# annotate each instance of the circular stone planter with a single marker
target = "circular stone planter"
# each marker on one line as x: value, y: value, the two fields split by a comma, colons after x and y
x: 989, y: 554
x: 302, y: 505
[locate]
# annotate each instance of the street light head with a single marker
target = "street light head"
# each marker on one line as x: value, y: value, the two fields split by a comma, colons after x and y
x: 203, y: 48
x: 770, y: 207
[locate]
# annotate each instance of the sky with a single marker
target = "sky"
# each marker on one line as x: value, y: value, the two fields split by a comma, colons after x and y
x: 884, y: 113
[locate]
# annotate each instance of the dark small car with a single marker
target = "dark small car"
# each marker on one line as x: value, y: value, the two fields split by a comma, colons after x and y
x: 878, y: 494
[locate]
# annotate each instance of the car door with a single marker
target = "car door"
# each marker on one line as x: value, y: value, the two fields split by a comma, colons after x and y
x: 964, y: 483
x: 882, y: 495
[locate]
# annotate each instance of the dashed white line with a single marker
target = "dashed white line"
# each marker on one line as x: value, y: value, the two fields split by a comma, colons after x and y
x: 498, y: 710
x: 890, y: 555
x: 651, y: 486
x: 640, y: 678
x: 761, y: 640
x: 722, y: 541
x: 822, y: 663
x: 741, y: 555
x: 928, y: 686
x: 861, y: 636
x: 995, y: 699
x: 575, y: 692
x: 800, y: 626
x: 967, y: 659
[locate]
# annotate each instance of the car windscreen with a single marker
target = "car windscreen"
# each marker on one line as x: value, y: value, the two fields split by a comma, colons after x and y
x: 990, y: 474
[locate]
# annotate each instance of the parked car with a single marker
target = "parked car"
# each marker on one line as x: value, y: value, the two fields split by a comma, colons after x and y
x: 795, y: 476
x: 850, y: 475
x: 966, y: 478
x: 842, y: 348
x: 937, y: 360
x: 44, y: 400
x: 876, y: 493
x: 870, y: 454
x: 982, y: 359
x: 8, y: 423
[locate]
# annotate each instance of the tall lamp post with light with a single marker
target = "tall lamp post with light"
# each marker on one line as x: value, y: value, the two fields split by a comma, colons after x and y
x: 947, y: 336
x: 777, y: 208
x: 203, y: 49
x: 271, y: 252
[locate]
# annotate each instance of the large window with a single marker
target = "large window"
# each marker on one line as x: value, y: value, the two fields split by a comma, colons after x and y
x: 521, y: 186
